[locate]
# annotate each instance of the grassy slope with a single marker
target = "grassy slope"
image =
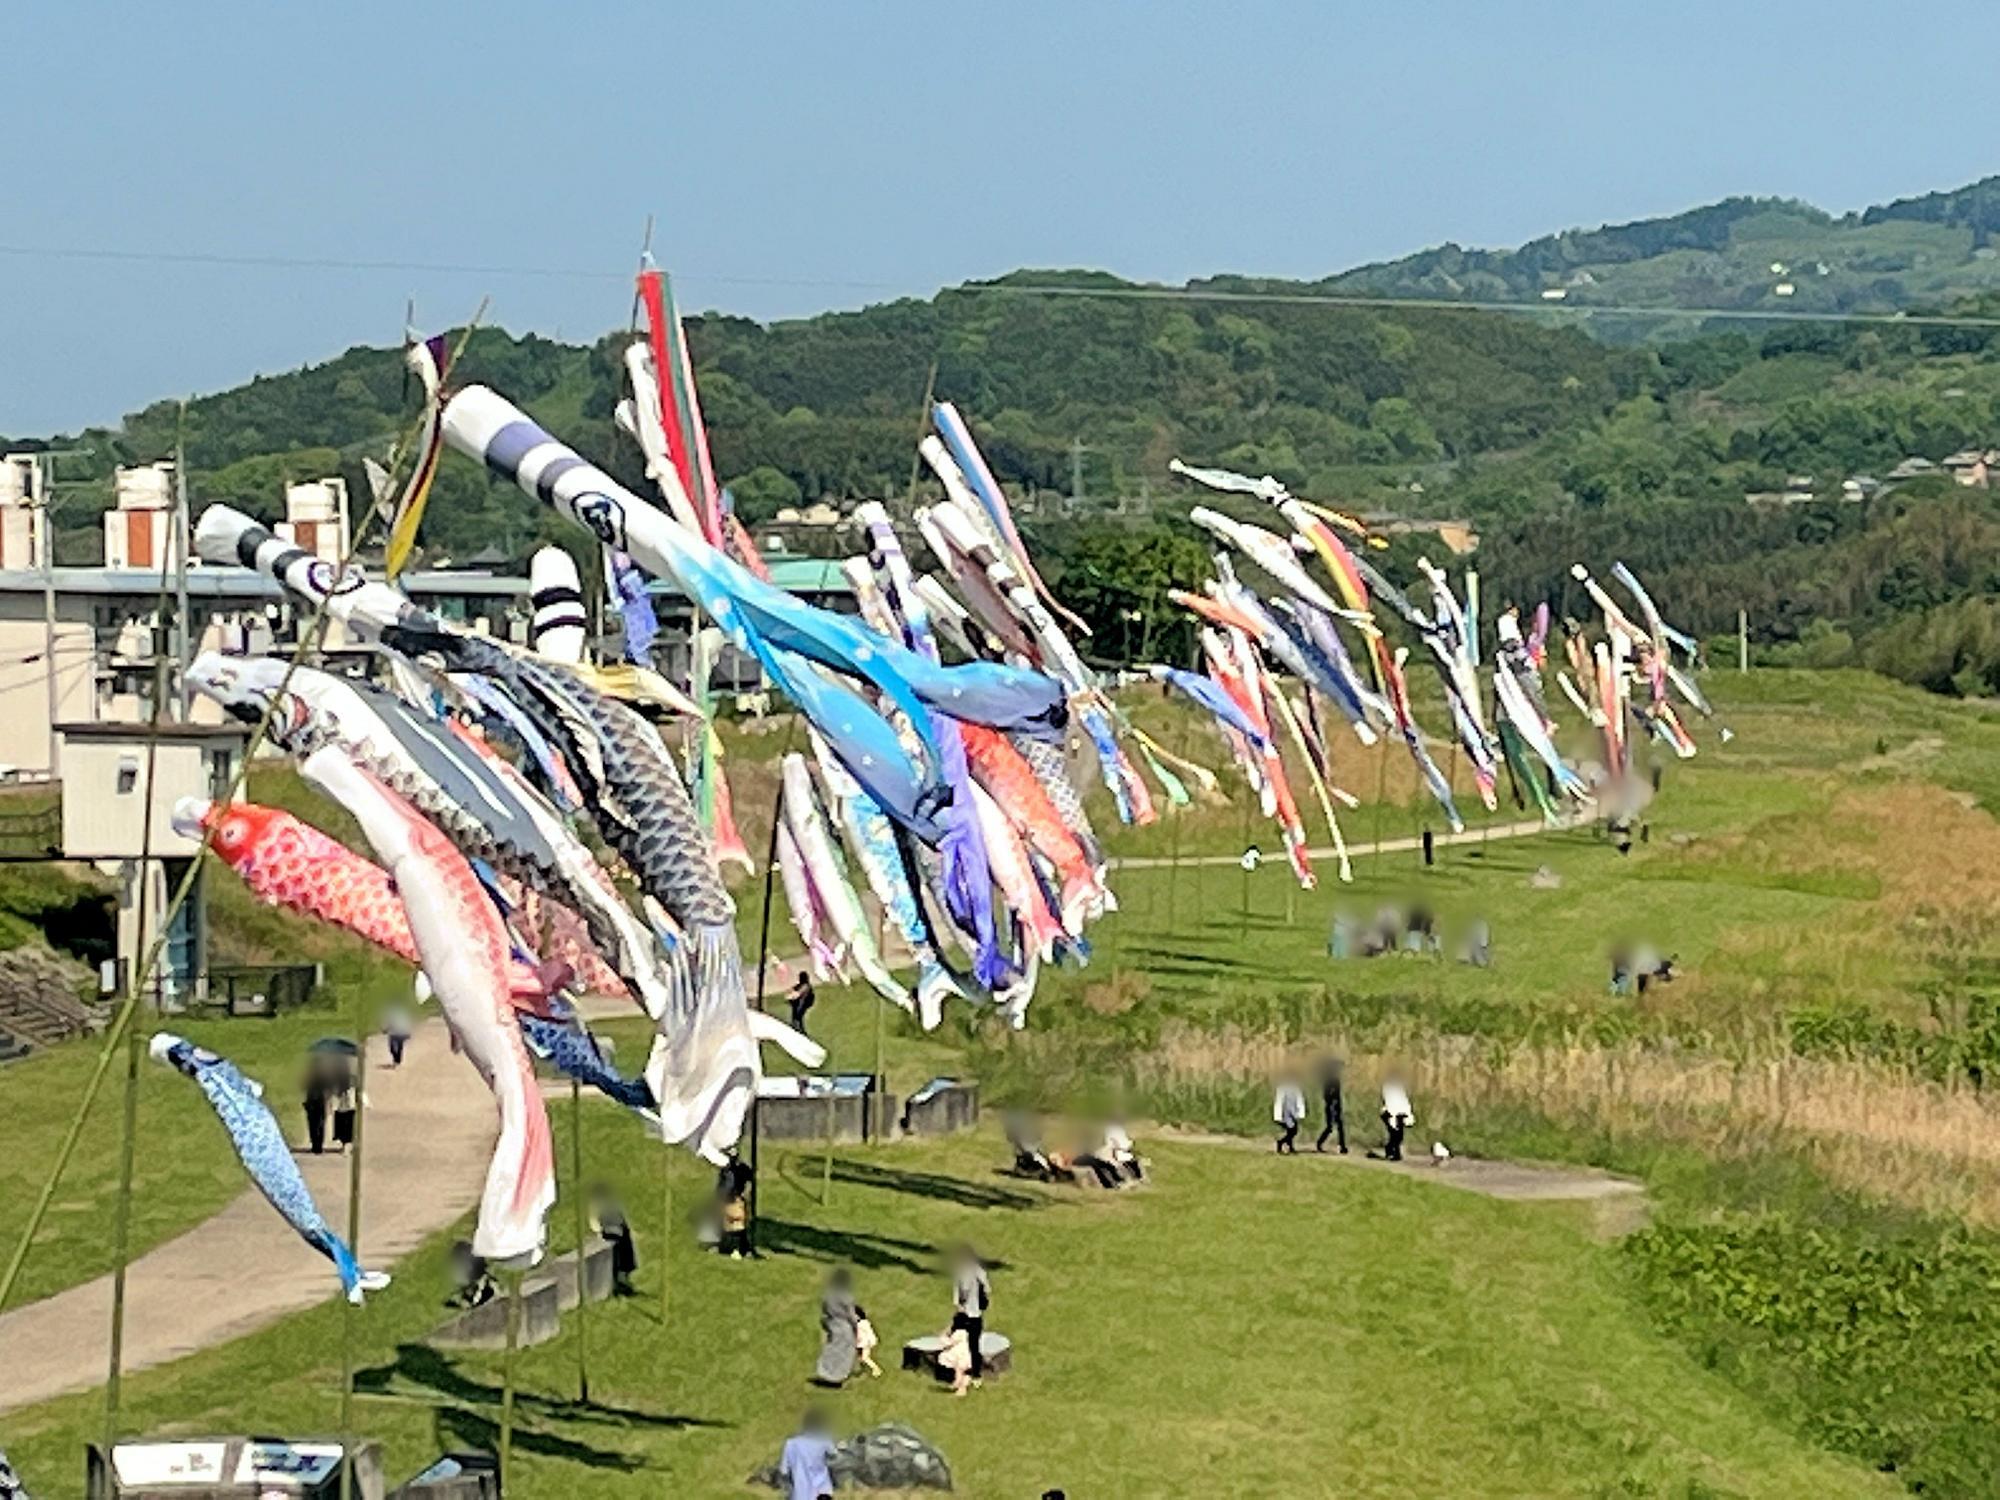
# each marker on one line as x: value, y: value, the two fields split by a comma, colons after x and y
x: 1795, y: 733
x: 1184, y: 933
x: 1261, y: 1325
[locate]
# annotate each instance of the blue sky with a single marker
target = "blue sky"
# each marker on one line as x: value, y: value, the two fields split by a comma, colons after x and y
x: 803, y: 157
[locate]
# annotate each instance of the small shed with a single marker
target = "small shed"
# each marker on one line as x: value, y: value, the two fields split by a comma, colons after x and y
x: 120, y: 783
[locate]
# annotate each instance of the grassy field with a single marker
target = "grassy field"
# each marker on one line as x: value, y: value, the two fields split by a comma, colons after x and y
x: 1272, y: 1327
x: 1245, y: 1325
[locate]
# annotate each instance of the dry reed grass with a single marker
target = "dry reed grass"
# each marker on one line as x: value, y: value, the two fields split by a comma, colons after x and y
x: 1871, y: 1127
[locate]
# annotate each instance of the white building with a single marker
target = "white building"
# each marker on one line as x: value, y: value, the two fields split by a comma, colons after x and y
x: 316, y: 518
x: 77, y: 644
x: 23, y: 513
x: 138, y: 529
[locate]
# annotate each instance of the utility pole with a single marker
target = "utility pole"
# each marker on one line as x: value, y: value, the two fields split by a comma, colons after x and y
x: 183, y: 629
x: 1742, y: 640
x: 1076, y: 452
x: 46, y: 536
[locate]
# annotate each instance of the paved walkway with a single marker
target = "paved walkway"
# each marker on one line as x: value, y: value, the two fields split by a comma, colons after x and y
x: 430, y: 1131
x: 1481, y: 835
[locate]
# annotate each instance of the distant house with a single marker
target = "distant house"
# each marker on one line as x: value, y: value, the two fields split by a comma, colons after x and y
x: 1911, y: 468
x: 818, y: 514
x: 1858, y: 487
x: 1973, y: 467
x: 1456, y: 537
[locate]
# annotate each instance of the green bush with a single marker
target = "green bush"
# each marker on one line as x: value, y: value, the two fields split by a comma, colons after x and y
x: 1885, y: 1349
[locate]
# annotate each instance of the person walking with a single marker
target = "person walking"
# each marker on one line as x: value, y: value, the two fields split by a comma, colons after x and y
x: 801, y: 998
x: 1288, y: 1112
x: 1330, y: 1070
x: 345, y: 1102
x: 396, y: 1027
x: 865, y: 1341
x: 1396, y: 1116
x: 318, y: 1094
x: 804, y: 1463
x: 732, y: 1191
x: 971, y: 1296
x: 839, y: 1325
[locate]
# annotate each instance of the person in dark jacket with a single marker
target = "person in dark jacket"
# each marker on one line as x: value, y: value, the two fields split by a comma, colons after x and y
x: 607, y: 1217
x: 1330, y: 1069
x: 801, y: 998
x: 319, y: 1098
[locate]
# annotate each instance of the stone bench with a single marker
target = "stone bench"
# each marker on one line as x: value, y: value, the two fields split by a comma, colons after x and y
x: 846, y: 1119
x: 941, y: 1107
x: 922, y: 1354
x: 547, y: 1293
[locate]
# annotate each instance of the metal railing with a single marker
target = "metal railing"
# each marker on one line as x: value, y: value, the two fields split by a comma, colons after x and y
x: 260, y: 989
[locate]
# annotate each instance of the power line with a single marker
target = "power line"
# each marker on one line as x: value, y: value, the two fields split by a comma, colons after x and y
x: 1192, y: 294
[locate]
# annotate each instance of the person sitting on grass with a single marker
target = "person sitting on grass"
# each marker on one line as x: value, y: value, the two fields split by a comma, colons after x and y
x: 804, y: 1465
x: 1119, y: 1150
x: 839, y: 1325
x: 607, y: 1217
x: 472, y: 1283
x: 1030, y: 1160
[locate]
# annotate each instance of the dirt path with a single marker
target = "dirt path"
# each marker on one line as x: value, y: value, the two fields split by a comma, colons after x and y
x: 430, y: 1128
x: 1619, y: 1204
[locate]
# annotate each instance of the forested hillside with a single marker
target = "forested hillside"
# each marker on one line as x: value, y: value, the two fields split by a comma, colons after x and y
x: 1555, y: 443
x: 1742, y: 253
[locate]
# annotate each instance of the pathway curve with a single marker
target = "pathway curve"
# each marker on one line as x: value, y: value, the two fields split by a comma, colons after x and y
x: 1481, y: 835
x: 430, y: 1131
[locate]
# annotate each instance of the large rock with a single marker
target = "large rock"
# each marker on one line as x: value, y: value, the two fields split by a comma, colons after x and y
x: 890, y: 1457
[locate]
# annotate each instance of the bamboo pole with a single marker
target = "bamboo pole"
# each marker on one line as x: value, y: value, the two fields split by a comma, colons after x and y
x: 875, y: 1128
x: 763, y: 959
x: 121, y: 1238
x: 1174, y: 858
x: 576, y: 1190
x: 1381, y: 794
x: 351, y: 1310
x: 826, y: 1166
x: 513, y: 1279
x: 1243, y: 926
x: 667, y: 1217
x: 114, y: 1382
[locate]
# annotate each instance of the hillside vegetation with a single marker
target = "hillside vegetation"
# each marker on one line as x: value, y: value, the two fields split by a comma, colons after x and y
x: 1558, y: 445
x: 1735, y: 254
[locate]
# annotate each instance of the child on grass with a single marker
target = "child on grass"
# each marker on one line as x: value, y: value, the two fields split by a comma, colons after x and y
x: 865, y: 1341
x: 956, y: 1358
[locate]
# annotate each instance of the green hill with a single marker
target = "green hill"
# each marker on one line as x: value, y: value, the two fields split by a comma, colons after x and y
x: 1770, y: 254
x: 1081, y: 385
